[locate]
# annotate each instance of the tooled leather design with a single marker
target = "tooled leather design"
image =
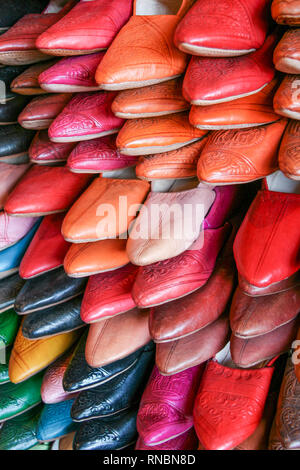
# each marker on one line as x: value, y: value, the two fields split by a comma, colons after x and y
x: 120, y: 280
x: 56, y: 416
x: 288, y: 408
x: 167, y: 399
x: 20, y: 433
x: 225, y: 161
x: 289, y: 154
x: 87, y: 112
x: 222, y: 15
x: 287, y: 95
x: 54, y: 374
x: 42, y: 149
x: 99, y: 149
x: 230, y: 397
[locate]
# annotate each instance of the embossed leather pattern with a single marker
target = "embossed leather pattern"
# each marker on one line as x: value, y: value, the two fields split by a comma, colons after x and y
x: 88, y: 115
x: 16, y: 399
x: 80, y: 376
x: 108, y: 294
x: 289, y: 152
x: 46, y: 250
x: 112, y: 433
x: 43, y: 152
x: 152, y: 135
x: 52, y: 386
x: 208, y: 80
x: 166, y: 407
x: 229, y: 404
x: 286, y: 423
x: 53, y: 321
x: 71, y: 74
x: 118, y: 394
x: 20, y: 433
x: 97, y: 155
x: 50, y: 289
x: 82, y: 223
x: 45, y: 190
x: 86, y: 28
x: 42, y: 110
x: 180, y: 163
x: 249, y: 111
x: 55, y: 421
x: 286, y: 101
x: 240, y: 156
x: 222, y: 27
x: 286, y: 12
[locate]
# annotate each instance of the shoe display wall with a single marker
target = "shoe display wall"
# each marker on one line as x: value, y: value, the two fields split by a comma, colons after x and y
x: 150, y: 225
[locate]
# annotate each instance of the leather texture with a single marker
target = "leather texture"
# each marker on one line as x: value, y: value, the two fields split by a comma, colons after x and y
x: 286, y: 423
x: 11, y: 257
x: 255, y: 316
x: 117, y: 395
x: 180, y: 355
x: 262, y: 236
x: 27, y: 82
x: 214, y: 80
x: 176, y: 164
x: 288, y: 157
x: 88, y: 27
x: 43, y: 152
x: 52, y: 386
x: 48, y: 290
x: 286, y: 100
x: 82, y: 224
x: 10, y: 175
x: 16, y: 399
x: 249, y: 111
x: 113, y: 433
x: 9, y: 289
x: 218, y: 28
x: 111, y: 340
x: 42, y: 110
x: 55, y: 421
x: 45, y: 190
x: 221, y: 411
x: 89, y: 259
x: 241, y: 156
x: 108, y: 294
x: 20, y: 433
x: 13, y: 229
x: 4, y: 377
x: 30, y: 357
x: 155, y: 57
x: 9, y: 325
x: 286, y: 12
x: 71, y: 74
x: 190, y: 314
x: 166, y: 407
x: 15, y: 142
x: 186, y: 441
x: 17, y: 45
x: 251, y: 351
x: 47, y: 249
x: 54, y: 320
x: 97, y: 155
x: 80, y: 376
x: 150, y: 101
x: 286, y: 55
x: 86, y: 116
x: 148, y: 242
x: 11, y: 107
x: 158, y: 134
